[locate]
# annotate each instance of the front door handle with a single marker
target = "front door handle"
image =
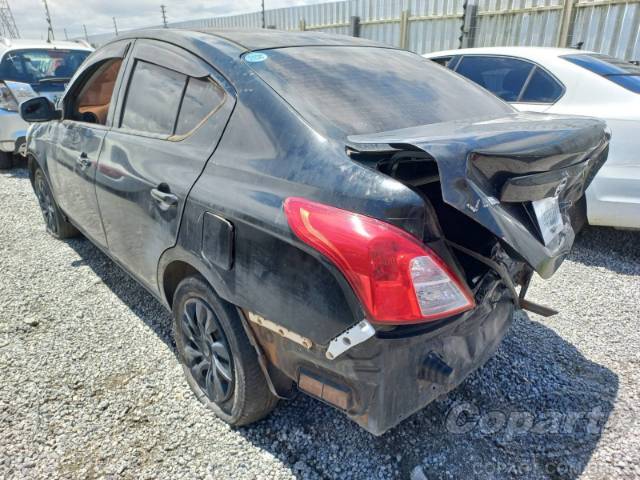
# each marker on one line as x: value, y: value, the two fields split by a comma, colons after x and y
x: 83, y: 161
x: 165, y: 198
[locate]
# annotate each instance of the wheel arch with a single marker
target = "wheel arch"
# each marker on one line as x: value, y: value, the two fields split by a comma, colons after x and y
x: 175, y: 265
x: 173, y: 274
x: 32, y: 165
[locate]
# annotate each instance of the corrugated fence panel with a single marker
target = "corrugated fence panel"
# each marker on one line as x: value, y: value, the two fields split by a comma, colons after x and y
x: 518, y: 22
x: 612, y: 28
x: 327, y: 17
x: 609, y: 26
x: 435, y: 25
x: 380, y: 20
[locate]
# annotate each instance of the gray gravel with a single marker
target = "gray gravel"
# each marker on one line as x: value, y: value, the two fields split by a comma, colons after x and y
x: 90, y: 385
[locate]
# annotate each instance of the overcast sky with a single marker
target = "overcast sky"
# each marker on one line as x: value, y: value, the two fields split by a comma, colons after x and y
x: 97, y: 14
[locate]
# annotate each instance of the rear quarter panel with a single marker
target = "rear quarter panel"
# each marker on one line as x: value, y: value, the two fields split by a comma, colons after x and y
x: 267, y: 154
x: 613, y: 199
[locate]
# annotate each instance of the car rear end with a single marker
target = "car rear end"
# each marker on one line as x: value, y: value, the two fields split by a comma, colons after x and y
x: 496, y: 187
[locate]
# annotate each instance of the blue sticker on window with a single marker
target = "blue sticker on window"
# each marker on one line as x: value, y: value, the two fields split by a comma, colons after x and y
x: 254, y: 57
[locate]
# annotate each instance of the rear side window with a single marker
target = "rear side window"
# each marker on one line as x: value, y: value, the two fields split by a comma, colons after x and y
x: 442, y: 60
x: 201, y: 99
x: 153, y: 99
x: 625, y: 74
x: 541, y: 88
x: 503, y: 76
x: 449, y: 62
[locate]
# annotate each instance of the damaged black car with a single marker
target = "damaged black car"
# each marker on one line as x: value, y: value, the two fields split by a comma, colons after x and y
x: 318, y: 212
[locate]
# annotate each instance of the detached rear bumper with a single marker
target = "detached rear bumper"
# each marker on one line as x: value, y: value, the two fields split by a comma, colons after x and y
x: 392, y: 375
x: 415, y: 371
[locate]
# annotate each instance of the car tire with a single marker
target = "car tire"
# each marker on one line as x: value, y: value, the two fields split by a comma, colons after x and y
x: 54, y: 219
x: 220, y: 364
x: 578, y: 215
x: 6, y: 160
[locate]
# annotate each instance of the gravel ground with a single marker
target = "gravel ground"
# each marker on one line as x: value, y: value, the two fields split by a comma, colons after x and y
x: 91, y: 387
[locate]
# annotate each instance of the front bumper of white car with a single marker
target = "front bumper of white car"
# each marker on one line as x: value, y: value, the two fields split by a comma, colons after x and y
x: 13, y: 131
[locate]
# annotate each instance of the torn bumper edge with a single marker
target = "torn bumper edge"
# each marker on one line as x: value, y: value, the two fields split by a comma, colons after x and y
x: 385, y: 379
x: 412, y: 372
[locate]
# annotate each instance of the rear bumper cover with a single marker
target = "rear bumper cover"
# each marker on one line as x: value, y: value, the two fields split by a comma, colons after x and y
x: 392, y: 375
x: 413, y: 372
x: 613, y: 199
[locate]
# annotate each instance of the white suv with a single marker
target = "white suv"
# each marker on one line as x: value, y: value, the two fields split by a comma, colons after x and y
x: 31, y: 68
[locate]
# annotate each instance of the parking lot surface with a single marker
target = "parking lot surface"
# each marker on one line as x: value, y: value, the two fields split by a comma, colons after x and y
x: 91, y: 388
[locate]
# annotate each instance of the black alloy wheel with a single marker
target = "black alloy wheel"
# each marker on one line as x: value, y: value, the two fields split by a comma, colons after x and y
x: 220, y: 363
x: 206, y: 350
x: 57, y: 225
x: 45, y: 200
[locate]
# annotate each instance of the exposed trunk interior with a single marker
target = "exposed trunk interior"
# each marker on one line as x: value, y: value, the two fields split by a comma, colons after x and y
x: 419, y: 171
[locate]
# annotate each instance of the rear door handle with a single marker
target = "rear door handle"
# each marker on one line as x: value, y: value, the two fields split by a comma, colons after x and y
x: 83, y: 161
x: 164, y: 199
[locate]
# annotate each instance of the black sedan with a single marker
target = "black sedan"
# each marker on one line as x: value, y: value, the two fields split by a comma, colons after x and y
x: 317, y: 211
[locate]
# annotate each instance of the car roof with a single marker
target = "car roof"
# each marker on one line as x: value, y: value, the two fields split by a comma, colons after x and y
x: 255, y: 39
x: 268, y: 38
x: 524, y: 52
x: 18, y: 44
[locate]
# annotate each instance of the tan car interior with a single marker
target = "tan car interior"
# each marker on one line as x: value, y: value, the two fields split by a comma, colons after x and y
x: 95, y: 96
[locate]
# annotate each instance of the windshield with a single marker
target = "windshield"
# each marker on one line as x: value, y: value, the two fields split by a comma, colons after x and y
x: 34, y: 66
x: 623, y: 73
x: 366, y: 89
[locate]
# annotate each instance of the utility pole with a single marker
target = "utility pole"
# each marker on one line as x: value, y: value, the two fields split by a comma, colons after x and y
x: 66, y: 37
x: 86, y: 37
x: 164, y: 16
x: 262, y: 9
x: 469, y: 21
x: 115, y: 26
x: 8, y: 27
x: 50, y: 36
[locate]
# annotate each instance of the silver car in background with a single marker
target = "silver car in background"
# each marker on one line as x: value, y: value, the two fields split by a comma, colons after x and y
x: 31, y: 68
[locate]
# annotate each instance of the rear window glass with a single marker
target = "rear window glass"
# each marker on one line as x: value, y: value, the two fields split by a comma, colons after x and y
x: 623, y: 73
x: 153, y: 99
x: 367, y: 89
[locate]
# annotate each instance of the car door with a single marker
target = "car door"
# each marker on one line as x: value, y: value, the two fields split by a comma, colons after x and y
x: 169, y: 119
x: 87, y: 112
x: 524, y: 84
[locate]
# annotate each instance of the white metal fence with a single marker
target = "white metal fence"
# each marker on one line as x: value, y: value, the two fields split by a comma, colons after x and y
x: 607, y: 26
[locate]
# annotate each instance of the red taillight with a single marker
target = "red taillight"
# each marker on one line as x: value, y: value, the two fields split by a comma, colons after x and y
x: 397, y: 279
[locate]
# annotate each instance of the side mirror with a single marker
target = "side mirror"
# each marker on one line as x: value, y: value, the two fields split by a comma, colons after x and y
x: 39, y: 109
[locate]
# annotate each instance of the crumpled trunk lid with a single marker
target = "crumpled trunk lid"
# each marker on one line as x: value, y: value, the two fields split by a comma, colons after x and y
x: 494, y: 170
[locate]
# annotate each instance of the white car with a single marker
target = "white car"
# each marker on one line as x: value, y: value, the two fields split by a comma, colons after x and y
x: 578, y: 82
x: 31, y: 68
